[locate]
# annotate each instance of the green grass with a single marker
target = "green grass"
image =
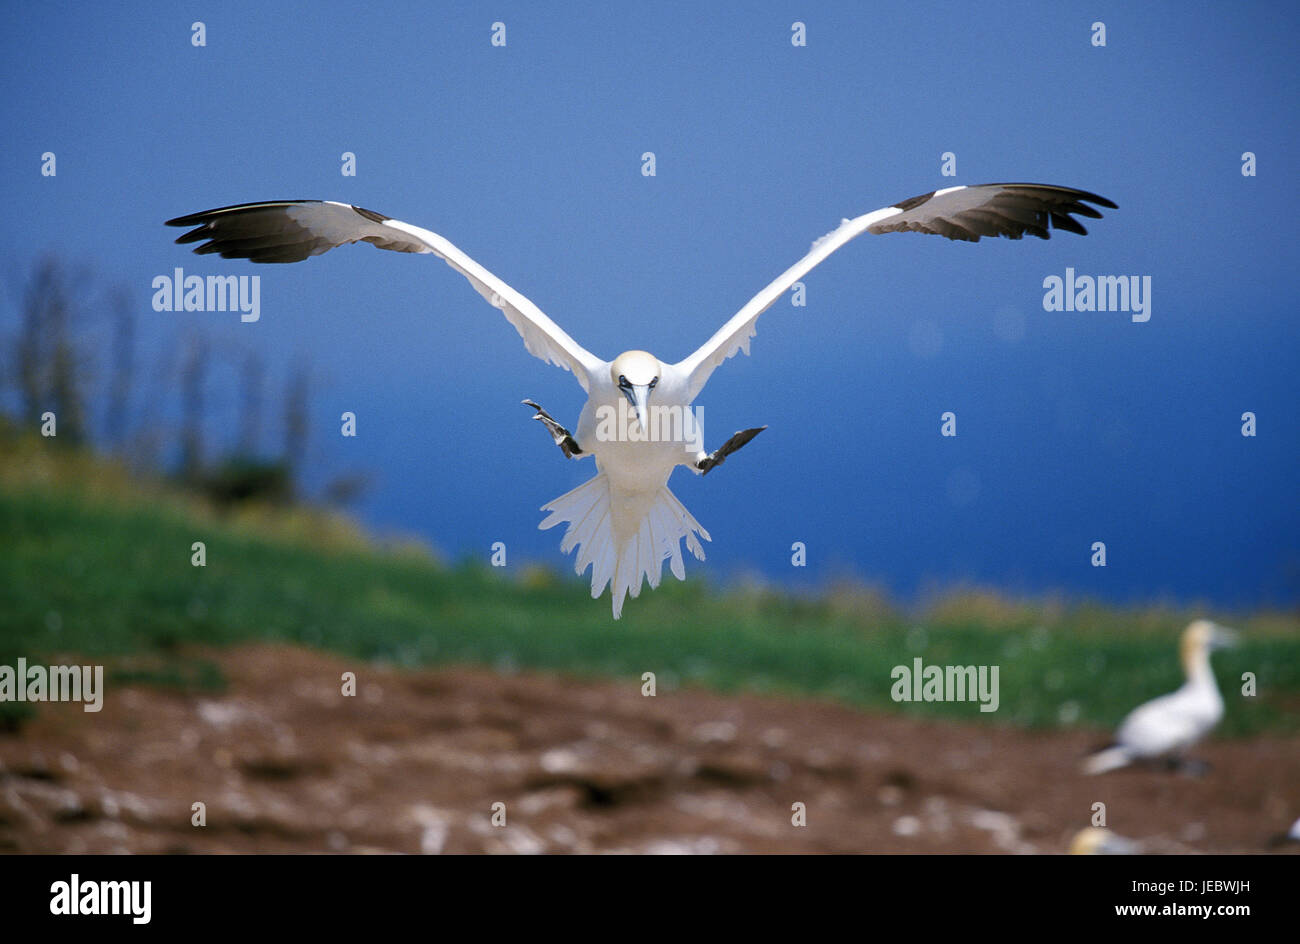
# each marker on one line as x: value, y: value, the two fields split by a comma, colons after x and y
x: 97, y: 565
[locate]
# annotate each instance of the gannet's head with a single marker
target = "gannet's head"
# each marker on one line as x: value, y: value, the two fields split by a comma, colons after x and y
x: 1097, y: 841
x: 636, y: 373
x: 1202, y: 637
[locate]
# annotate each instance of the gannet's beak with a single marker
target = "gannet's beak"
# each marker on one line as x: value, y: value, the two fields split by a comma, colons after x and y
x: 639, y: 397
x: 1224, y: 638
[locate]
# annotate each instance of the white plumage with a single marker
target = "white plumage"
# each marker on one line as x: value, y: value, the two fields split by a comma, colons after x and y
x: 625, y: 523
x: 1167, y: 726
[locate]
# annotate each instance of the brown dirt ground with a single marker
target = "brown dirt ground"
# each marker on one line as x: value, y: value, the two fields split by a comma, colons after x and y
x: 416, y: 760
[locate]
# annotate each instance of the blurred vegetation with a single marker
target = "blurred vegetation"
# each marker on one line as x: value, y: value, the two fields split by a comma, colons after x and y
x: 71, y: 365
x: 69, y: 361
x: 95, y: 562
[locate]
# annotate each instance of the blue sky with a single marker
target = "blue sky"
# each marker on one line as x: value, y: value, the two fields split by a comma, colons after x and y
x: 1073, y: 427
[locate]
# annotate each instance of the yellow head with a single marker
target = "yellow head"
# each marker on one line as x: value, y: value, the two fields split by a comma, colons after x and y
x: 1199, y: 639
x: 1095, y: 840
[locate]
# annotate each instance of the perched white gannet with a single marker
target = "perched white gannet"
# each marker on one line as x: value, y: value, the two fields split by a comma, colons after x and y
x: 1094, y: 840
x: 1166, y: 726
x: 625, y: 522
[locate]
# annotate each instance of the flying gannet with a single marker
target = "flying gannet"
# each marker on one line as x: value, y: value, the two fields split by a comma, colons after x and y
x: 1167, y: 726
x: 625, y: 522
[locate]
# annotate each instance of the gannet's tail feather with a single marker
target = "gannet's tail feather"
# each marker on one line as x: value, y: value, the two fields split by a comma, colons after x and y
x: 624, y: 537
x: 1107, y: 759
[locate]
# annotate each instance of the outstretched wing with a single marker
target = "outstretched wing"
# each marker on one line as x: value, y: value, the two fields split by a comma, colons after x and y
x: 965, y: 213
x: 292, y: 230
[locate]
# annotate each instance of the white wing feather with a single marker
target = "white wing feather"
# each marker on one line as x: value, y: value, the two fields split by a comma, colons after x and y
x: 964, y: 213
x: 736, y: 333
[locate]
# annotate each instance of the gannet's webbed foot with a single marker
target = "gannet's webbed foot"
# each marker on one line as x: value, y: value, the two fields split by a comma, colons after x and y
x: 719, y: 456
x: 563, y: 438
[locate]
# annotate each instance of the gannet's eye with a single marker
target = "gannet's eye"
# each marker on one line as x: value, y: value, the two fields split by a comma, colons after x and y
x: 653, y: 382
x: 622, y: 381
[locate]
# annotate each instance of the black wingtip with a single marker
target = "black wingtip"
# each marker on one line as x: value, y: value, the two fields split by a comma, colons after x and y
x: 1070, y: 224
x: 206, y: 216
x: 1073, y: 191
